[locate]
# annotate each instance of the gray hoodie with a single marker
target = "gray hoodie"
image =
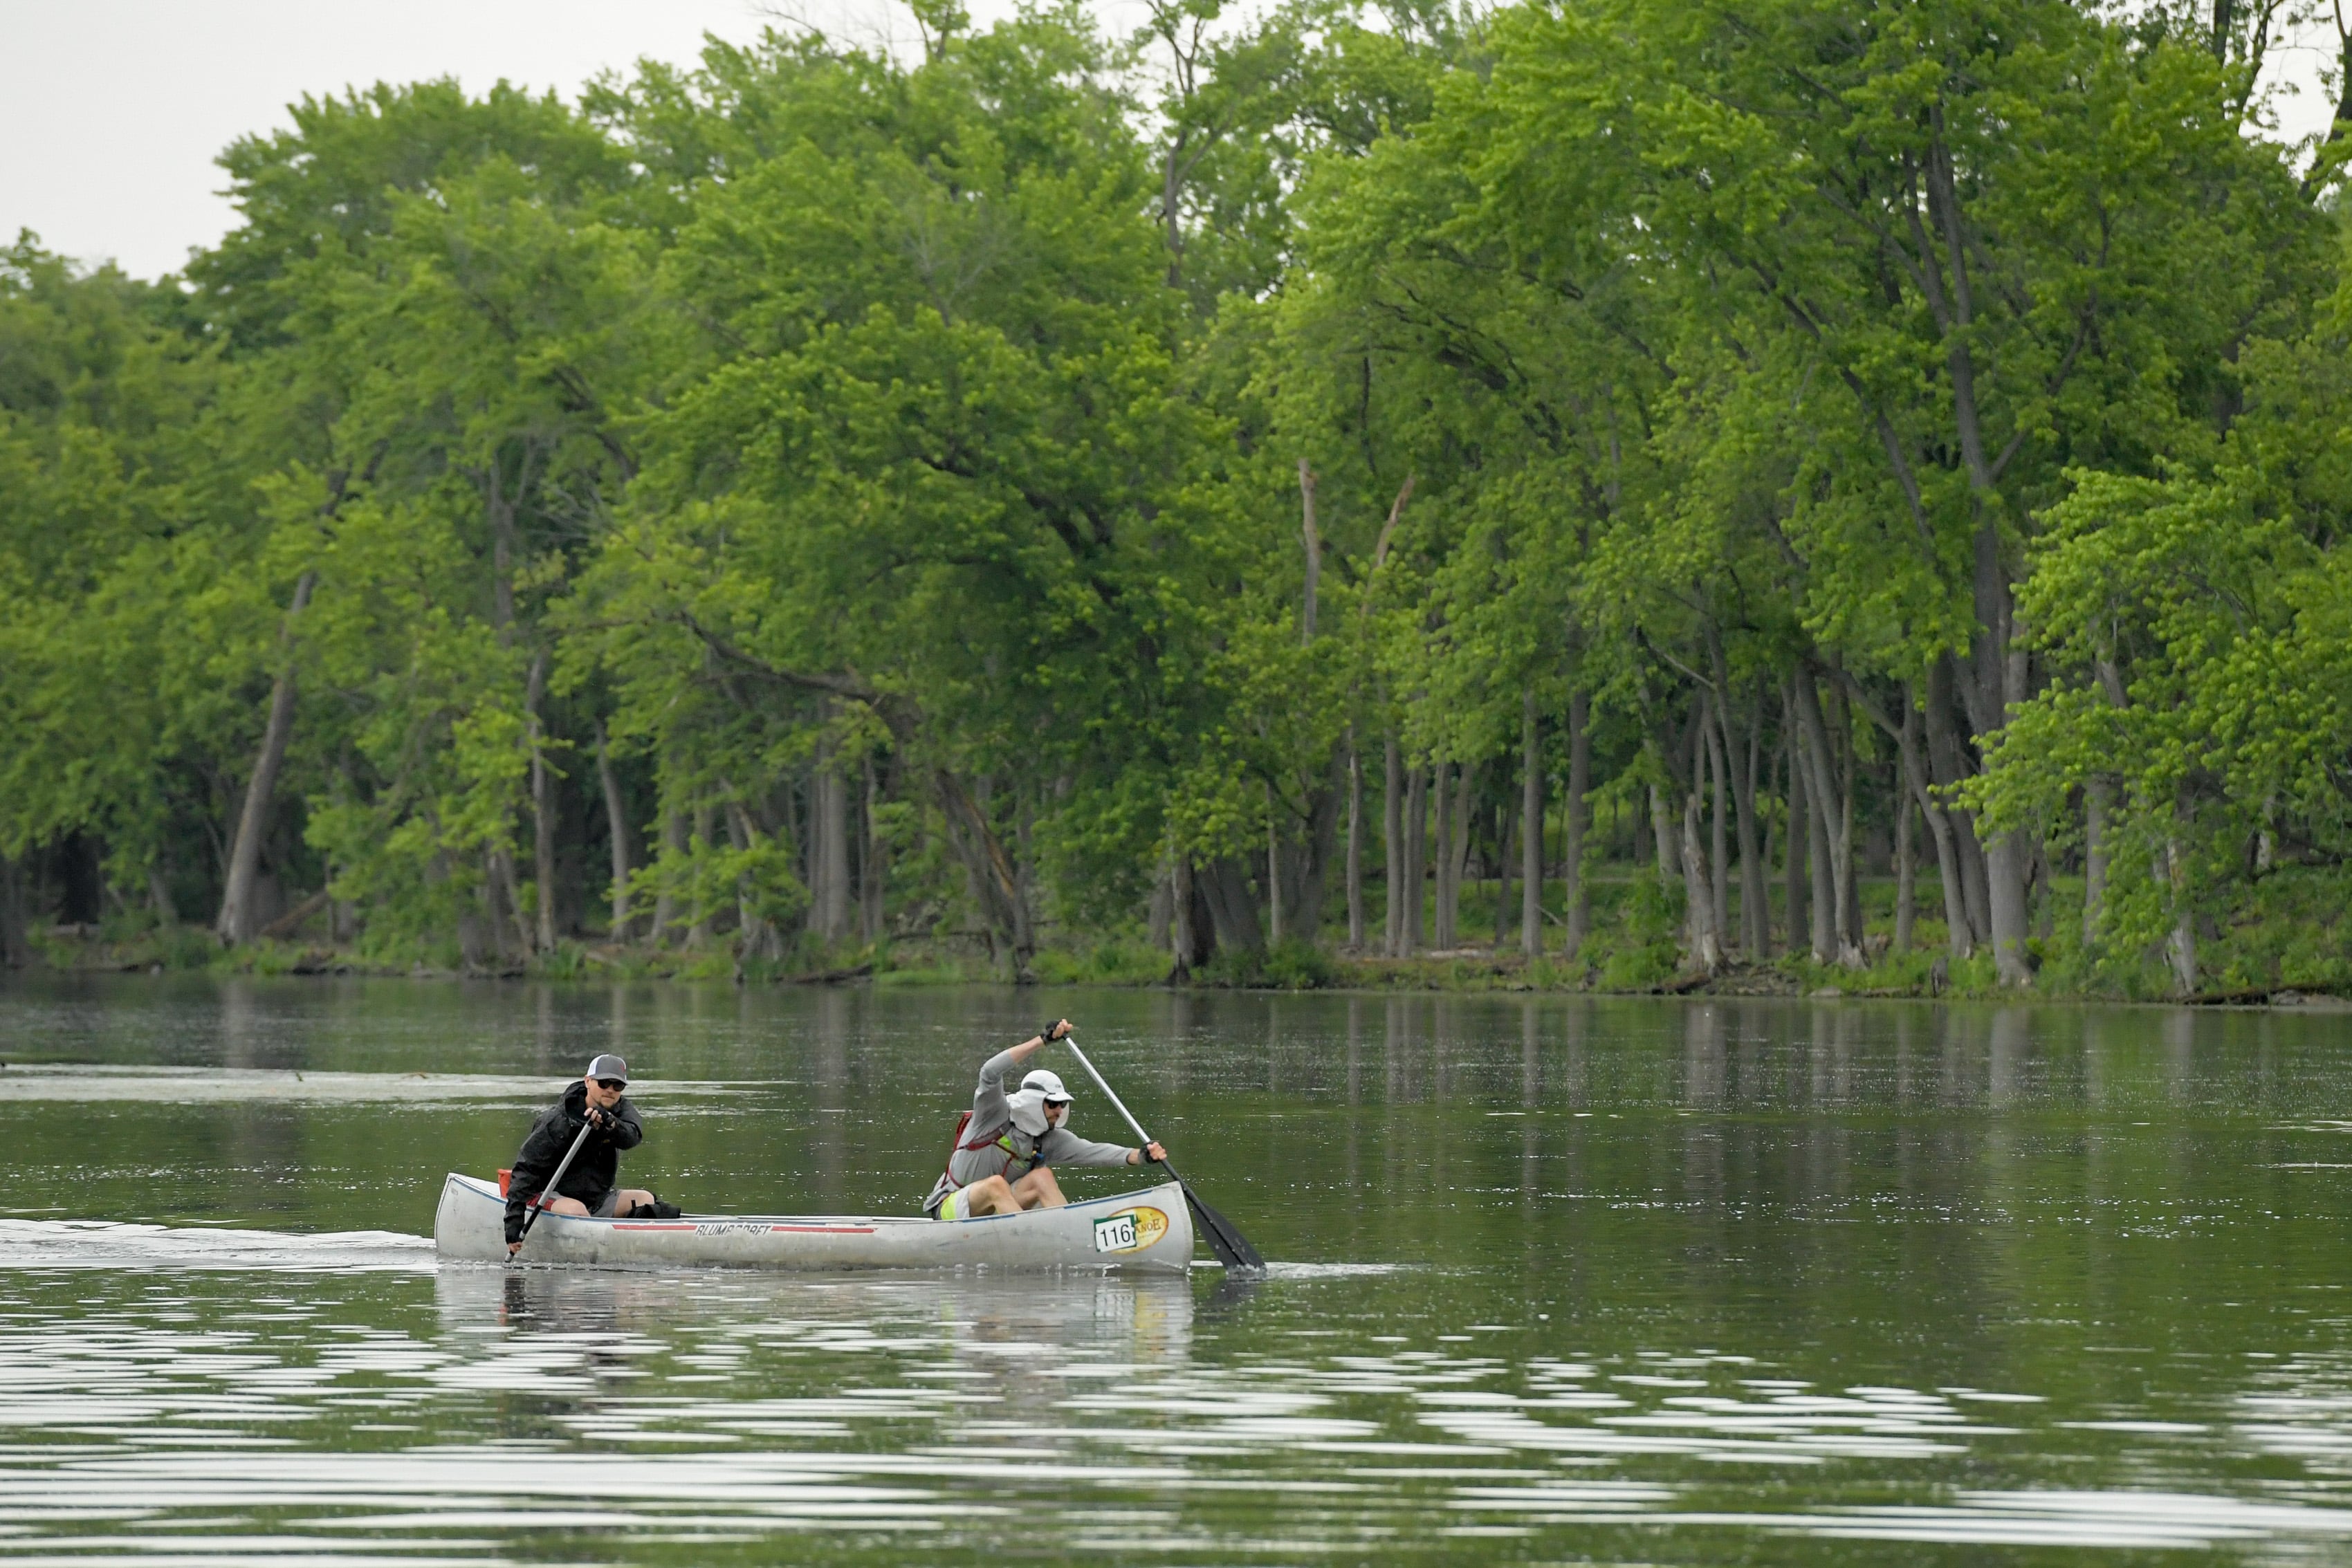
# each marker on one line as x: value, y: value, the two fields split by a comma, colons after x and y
x: 1005, y: 1150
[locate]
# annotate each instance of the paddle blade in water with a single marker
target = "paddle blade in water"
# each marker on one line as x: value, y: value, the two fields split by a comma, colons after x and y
x: 1232, y: 1248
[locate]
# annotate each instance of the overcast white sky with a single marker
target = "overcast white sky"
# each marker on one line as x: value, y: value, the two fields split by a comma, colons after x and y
x: 112, y: 110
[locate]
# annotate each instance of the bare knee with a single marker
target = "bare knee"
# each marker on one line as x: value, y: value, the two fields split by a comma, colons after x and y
x: 1039, y: 1189
x: 570, y: 1206
x: 632, y: 1201
x: 990, y: 1194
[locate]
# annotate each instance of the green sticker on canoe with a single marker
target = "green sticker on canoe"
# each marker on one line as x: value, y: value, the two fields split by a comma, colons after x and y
x: 1130, y: 1230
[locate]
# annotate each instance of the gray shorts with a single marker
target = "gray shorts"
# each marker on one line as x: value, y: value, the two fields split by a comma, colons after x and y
x: 607, y: 1204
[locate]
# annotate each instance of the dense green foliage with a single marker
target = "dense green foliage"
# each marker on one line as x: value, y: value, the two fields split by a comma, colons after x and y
x: 1209, y: 500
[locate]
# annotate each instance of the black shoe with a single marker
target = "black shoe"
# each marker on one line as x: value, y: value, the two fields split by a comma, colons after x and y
x: 657, y: 1209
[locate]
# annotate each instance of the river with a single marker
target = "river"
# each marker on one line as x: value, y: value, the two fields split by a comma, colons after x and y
x: 1610, y: 1281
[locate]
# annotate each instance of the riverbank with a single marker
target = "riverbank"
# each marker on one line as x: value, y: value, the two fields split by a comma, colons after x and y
x: 1606, y: 968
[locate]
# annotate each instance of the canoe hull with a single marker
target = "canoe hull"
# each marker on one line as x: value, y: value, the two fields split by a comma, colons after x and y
x: 1147, y: 1231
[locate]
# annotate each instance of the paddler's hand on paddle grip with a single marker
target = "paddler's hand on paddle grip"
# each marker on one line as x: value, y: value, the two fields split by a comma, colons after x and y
x: 1058, y: 1030
x: 1149, y: 1154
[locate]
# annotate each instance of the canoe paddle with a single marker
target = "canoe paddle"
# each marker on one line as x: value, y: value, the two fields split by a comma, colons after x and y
x: 539, y: 1200
x: 1232, y: 1248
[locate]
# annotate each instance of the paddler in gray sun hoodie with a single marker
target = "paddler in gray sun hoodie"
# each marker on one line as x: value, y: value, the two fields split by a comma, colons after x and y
x: 1004, y: 1157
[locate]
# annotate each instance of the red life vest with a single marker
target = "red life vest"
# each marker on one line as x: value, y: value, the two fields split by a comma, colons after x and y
x: 1002, y: 1138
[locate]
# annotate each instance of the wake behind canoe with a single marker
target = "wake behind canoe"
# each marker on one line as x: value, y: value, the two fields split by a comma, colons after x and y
x: 1149, y: 1230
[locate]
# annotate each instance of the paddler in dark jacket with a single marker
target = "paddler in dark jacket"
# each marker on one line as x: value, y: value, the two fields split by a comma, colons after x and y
x: 1003, y: 1159
x: 589, y: 1185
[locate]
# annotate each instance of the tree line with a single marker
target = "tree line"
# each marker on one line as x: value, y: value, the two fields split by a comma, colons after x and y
x: 1243, y: 485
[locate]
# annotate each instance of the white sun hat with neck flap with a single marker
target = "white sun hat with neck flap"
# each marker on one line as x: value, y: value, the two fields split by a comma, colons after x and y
x: 1048, y: 1085
x: 1028, y: 1104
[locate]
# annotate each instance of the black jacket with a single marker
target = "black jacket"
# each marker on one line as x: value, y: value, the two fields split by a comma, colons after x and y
x: 592, y: 1175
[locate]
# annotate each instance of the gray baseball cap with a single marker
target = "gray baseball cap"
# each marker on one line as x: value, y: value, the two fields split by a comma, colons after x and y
x: 609, y: 1066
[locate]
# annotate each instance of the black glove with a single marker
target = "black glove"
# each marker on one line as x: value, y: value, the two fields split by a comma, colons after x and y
x: 1047, y: 1034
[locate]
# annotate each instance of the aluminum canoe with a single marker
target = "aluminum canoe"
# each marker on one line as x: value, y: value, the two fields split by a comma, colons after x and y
x: 1149, y: 1232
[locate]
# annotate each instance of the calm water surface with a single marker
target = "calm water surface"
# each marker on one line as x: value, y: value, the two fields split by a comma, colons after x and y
x: 1617, y: 1282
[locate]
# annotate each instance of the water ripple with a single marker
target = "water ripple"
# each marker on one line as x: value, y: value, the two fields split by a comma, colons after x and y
x: 183, y: 1408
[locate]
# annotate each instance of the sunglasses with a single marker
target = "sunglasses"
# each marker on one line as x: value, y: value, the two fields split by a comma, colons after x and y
x: 611, y: 1084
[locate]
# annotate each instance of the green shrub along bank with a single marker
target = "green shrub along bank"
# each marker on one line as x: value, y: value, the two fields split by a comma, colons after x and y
x: 2293, y: 946
x: 1058, y: 505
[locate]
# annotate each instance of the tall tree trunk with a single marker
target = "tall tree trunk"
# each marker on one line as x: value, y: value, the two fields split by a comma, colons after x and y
x: 507, y: 915
x: 698, y: 931
x: 1231, y: 909
x: 1024, y: 873
x: 16, y: 951
x: 1457, y: 851
x: 1769, y: 837
x: 1579, y: 819
x: 1850, y: 927
x: 756, y: 936
x: 473, y: 948
x: 2172, y: 871
x: 1663, y: 835
x: 1989, y: 685
x: 1719, y: 845
x: 1000, y: 887
x: 1706, y: 950
x: 543, y: 805
x: 1442, y: 894
x: 1304, y: 863
x: 828, y: 851
x: 1947, y: 760
x: 1970, y: 850
x: 836, y: 851
x: 1355, y: 845
x: 1754, y: 921
x: 1503, y: 869
x: 1531, y: 823
x: 1811, y: 759
x: 1273, y: 871
x: 873, y: 859
x: 1833, y: 829
x: 1161, y: 909
x: 1416, y: 855
x: 1395, y: 864
x: 236, y: 922
x: 1958, y: 933
x: 1183, y: 939
x: 2009, y: 859
x: 616, y: 824
x: 674, y: 858
x: 1797, y: 830
x: 1823, y: 898
x: 2095, y: 796
x: 1906, y: 869
x: 1996, y: 672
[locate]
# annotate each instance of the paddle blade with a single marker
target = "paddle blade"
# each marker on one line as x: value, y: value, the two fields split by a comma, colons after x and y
x: 1232, y: 1248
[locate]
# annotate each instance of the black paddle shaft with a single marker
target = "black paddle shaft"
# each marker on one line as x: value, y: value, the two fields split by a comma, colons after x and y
x: 1225, y: 1240
x: 543, y: 1197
